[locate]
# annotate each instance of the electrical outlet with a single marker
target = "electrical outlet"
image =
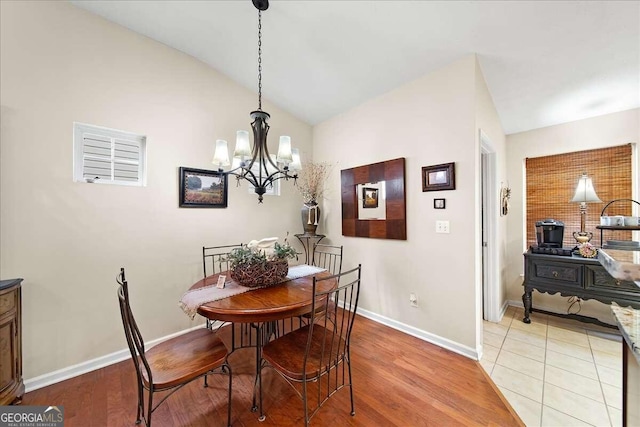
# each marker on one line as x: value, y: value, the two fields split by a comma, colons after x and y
x: 442, y: 226
x: 413, y: 299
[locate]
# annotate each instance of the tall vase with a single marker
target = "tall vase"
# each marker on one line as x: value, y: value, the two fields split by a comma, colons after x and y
x: 310, y: 215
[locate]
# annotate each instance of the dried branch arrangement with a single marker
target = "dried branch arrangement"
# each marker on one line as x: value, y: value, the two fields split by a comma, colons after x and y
x: 311, y: 180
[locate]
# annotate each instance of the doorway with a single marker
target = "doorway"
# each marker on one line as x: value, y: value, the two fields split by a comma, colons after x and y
x: 489, y: 221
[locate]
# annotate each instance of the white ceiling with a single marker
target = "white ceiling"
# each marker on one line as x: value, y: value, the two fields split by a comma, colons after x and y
x: 545, y: 62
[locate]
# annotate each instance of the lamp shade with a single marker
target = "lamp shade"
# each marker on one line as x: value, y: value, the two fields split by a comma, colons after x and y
x: 296, y: 164
x: 585, y: 193
x: 284, y: 150
x: 221, y: 155
x: 243, y: 149
x: 236, y: 163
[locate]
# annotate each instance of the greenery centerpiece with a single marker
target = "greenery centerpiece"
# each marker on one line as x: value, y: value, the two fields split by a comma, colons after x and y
x: 310, y: 183
x: 261, y: 263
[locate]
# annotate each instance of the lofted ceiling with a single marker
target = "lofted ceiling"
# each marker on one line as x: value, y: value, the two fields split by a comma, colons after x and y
x: 545, y: 62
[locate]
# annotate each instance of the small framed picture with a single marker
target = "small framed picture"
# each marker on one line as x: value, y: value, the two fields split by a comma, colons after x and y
x: 369, y: 198
x: 439, y: 203
x: 201, y: 188
x: 438, y: 177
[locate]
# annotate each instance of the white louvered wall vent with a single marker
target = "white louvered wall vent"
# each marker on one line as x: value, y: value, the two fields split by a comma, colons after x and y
x: 108, y: 156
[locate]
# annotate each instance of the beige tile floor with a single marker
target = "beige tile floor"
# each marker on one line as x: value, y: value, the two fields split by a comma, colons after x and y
x: 555, y: 371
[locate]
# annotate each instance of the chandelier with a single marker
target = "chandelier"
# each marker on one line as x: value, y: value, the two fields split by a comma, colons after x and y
x: 255, y: 164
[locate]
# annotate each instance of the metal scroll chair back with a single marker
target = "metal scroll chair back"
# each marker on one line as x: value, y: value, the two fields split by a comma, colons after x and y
x: 200, y: 351
x: 328, y: 256
x: 214, y: 258
x: 315, y: 359
x: 214, y: 261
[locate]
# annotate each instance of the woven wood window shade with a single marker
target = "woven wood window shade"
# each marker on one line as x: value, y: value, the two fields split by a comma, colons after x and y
x: 552, y: 180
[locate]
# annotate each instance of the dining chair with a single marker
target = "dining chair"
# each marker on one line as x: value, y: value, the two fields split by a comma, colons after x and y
x: 172, y: 364
x: 315, y: 359
x: 327, y: 256
x: 214, y: 261
x: 215, y: 257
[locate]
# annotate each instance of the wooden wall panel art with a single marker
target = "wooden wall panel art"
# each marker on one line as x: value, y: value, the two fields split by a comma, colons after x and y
x: 394, y: 224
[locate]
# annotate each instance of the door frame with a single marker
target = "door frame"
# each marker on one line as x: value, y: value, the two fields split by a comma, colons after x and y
x: 490, y: 255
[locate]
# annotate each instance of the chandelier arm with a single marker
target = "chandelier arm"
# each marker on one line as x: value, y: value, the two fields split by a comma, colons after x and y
x: 245, y: 165
x: 275, y: 165
x: 260, y: 152
x: 245, y: 175
x: 280, y: 175
x: 257, y: 181
x: 254, y: 180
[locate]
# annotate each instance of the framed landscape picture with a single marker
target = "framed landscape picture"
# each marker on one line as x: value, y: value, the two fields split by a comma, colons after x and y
x: 200, y: 188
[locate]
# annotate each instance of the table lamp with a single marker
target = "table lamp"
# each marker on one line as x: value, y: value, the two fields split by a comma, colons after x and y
x: 585, y: 193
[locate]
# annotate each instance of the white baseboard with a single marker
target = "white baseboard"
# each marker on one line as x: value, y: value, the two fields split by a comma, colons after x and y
x: 516, y: 303
x: 423, y: 335
x: 503, y: 309
x: 91, y: 365
x: 118, y: 356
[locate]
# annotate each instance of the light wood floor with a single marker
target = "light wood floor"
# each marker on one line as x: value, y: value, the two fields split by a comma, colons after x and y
x: 398, y: 380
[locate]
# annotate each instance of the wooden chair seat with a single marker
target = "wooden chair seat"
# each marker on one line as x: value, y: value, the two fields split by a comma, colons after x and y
x: 187, y: 356
x: 315, y: 358
x: 286, y: 353
x: 171, y: 364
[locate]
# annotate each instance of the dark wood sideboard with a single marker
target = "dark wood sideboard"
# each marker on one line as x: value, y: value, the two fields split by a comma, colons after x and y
x: 584, y: 278
x: 11, y: 383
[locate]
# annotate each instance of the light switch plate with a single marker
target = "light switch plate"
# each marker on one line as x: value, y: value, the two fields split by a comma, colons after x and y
x: 442, y: 227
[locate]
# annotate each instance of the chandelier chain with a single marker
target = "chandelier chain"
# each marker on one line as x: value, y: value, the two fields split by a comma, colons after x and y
x: 259, y: 60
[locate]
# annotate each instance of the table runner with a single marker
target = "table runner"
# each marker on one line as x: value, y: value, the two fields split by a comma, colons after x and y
x: 193, y: 299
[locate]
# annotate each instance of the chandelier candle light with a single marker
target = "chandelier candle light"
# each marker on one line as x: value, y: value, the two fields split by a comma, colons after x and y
x: 585, y: 193
x: 256, y: 165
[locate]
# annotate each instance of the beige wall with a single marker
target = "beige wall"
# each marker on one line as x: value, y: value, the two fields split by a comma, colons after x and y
x: 60, y: 64
x: 604, y: 131
x: 429, y: 121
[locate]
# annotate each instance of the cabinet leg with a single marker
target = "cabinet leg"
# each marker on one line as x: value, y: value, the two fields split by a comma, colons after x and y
x: 526, y: 300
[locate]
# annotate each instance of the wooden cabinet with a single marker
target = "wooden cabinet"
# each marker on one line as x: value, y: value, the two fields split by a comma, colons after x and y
x: 574, y: 276
x: 11, y: 384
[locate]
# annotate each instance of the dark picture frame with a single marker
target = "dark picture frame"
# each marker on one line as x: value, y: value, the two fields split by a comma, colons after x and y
x: 201, y: 188
x: 439, y: 203
x: 438, y: 177
x: 369, y: 198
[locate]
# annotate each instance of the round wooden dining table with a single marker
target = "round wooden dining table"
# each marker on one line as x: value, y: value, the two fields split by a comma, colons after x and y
x: 282, y: 301
x: 261, y: 309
